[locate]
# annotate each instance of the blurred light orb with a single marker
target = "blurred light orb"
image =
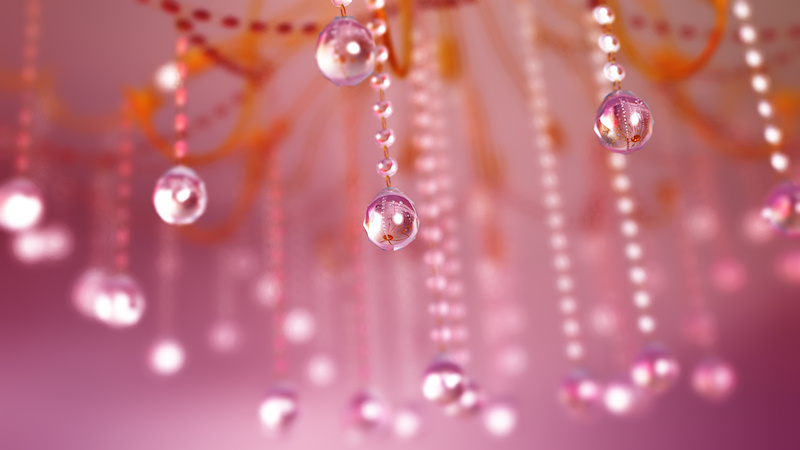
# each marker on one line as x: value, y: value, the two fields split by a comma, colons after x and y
x: 714, y: 379
x: 702, y: 223
x: 269, y: 289
x: 166, y: 357
x: 728, y: 275
x: 701, y: 329
x: 366, y: 412
x: 49, y: 243
x: 512, y: 360
x: 624, y: 123
x: 180, y: 196
x: 225, y: 336
x: 321, y: 370
x: 299, y: 326
x: 243, y: 262
x: 469, y: 403
x: 443, y: 381
x: 345, y: 52
x: 782, y: 209
x: 655, y: 369
x: 21, y: 205
x: 407, y: 423
x: 167, y: 77
x: 500, y: 418
x: 86, y: 290
x: 788, y: 267
x: 621, y: 398
x: 120, y: 302
x: 580, y: 393
x: 604, y: 320
x: 278, y: 410
x: 756, y: 229
x: 391, y: 220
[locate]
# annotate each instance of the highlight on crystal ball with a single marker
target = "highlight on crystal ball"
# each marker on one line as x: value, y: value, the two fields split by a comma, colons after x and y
x: 180, y: 196
x: 21, y: 205
x: 366, y: 412
x: 278, y: 410
x: 580, y: 393
x: 655, y: 369
x: 713, y: 379
x: 624, y: 123
x: 391, y: 221
x: 120, y: 302
x: 345, y: 52
x: 166, y: 357
x: 782, y: 209
x: 443, y: 381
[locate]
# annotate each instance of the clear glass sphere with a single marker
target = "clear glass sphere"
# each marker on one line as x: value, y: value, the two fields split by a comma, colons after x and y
x: 366, y: 412
x: 86, y: 290
x: 383, y: 108
x: 278, y: 410
x: 469, y: 402
x: 180, y: 196
x: 613, y: 72
x: 579, y: 392
x: 500, y: 418
x: 624, y: 123
x: 608, y: 43
x: 345, y: 52
x: 391, y: 220
x: 603, y: 15
x: 387, y: 167
x: 120, y: 302
x: 782, y: 209
x: 21, y: 205
x: 443, y: 381
x: 713, y: 379
x: 166, y: 357
x: 655, y: 369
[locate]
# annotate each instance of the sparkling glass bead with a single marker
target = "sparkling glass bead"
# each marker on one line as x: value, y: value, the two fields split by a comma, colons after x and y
x: 782, y: 209
x: 391, y: 220
x: 21, y: 205
x: 120, y: 302
x: 180, y: 196
x: 469, y: 402
x: 278, y: 410
x: 603, y: 15
x: 381, y: 54
x: 166, y: 357
x: 714, y: 379
x: 383, y: 108
x: 366, y: 412
x: 655, y: 369
x: 385, y: 138
x: 345, y: 52
x: 624, y: 123
x: 579, y: 392
x: 443, y: 381
x: 86, y: 289
x: 373, y: 5
x: 387, y: 167
x: 613, y: 72
x: 377, y: 27
x: 380, y: 81
x: 608, y: 43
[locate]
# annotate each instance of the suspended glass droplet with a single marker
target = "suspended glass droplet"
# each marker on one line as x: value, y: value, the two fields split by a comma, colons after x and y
x: 469, y: 402
x: 21, y: 205
x: 580, y: 392
x: 714, y: 379
x: 366, y: 412
x: 443, y: 381
x: 782, y: 209
x: 624, y: 123
x: 387, y: 167
x: 655, y: 369
x: 345, y: 52
x: 120, y: 302
x: 180, y: 196
x: 391, y: 220
x: 278, y: 410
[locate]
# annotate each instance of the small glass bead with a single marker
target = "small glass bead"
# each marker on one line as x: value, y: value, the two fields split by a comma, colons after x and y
x: 385, y: 138
x: 381, y: 54
x: 345, y: 52
x: 608, y: 43
x: 341, y: 2
x: 613, y: 72
x: 377, y: 27
x: 383, y: 108
x: 387, y: 167
x: 380, y: 81
x: 603, y: 15
x: 373, y: 5
x: 180, y: 196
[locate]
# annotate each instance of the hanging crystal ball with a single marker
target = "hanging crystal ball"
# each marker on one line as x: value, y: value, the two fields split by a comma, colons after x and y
x: 443, y: 381
x: 391, y: 221
x: 782, y: 209
x: 366, y: 412
x: 180, y: 196
x: 21, y: 205
x: 580, y: 392
x: 713, y: 379
x: 119, y: 302
x: 345, y: 52
x: 278, y: 410
x: 624, y: 123
x: 655, y: 369
x: 469, y: 403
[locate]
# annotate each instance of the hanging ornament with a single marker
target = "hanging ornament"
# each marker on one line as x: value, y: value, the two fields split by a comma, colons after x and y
x: 714, y: 379
x: 278, y: 410
x: 366, y: 412
x: 782, y: 209
x: 345, y: 50
x: 580, y: 392
x: 655, y: 369
x: 443, y: 381
x: 391, y: 220
x: 469, y: 402
x: 120, y: 302
x: 624, y: 123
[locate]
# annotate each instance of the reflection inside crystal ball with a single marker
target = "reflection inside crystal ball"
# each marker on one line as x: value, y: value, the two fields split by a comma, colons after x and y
x: 443, y: 381
x: 391, y: 221
x: 180, y: 196
x: 782, y: 209
x: 21, y: 205
x: 624, y: 123
x: 166, y: 357
x: 655, y: 369
x: 120, y: 302
x: 345, y: 52
x: 278, y: 410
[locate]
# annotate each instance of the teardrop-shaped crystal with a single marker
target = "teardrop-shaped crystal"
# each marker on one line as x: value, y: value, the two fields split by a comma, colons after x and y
x: 180, y: 196
x: 391, y: 221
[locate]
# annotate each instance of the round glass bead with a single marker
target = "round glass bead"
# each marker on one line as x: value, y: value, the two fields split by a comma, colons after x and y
x: 381, y: 54
x: 579, y: 392
x: 387, y: 167
x: 377, y: 27
x: 278, y: 410
x: 443, y: 381
x: 469, y: 402
x: 21, y: 205
x: 345, y: 52
x: 613, y: 72
x: 166, y: 357
x: 624, y: 123
x: 180, y: 196
x: 391, y: 221
x: 120, y: 302
x: 385, y: 137
x: 714, y: 379
x: 380, y: 81
x: 608, y: 43
x: 383, y: 108
x: 655, y: 369
x: 366, y: 412
x: 603, y: 15
x: 782, y: 209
